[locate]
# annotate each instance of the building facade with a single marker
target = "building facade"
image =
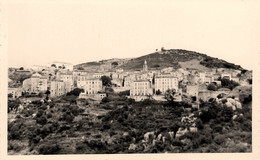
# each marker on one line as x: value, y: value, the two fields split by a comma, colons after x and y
x: 165, y: 82
x: 35, y: 84
x: 141, y: 88
x: 90, y: 86
x: 15, y: 92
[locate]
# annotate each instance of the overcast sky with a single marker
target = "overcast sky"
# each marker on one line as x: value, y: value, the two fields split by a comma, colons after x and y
x: 79, y: 31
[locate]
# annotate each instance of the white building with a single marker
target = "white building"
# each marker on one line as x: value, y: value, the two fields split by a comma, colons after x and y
x: 90, y: 86
x: 15, y: 92
x: 35, y: 84
x: 226, y: 76
x: 202, y: 77
x: 59, y: 88
x: 141, y: 88
x: 192, y: 90
x: 66, y: 77
x: 165, y: 82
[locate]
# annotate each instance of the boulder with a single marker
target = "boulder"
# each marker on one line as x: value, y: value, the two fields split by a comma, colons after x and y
x: 159, y: 137
x: 232, y: 101
x: 132, y: 147
x: 125, y: 134
x: 193, y: 129
x: 171, y: 135
x: 228, y: 104
x: 148, y: 135
x: 238, y: 105
x: 234, y: 117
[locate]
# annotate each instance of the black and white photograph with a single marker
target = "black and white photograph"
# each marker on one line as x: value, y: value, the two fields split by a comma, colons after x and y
x: 130, y: 77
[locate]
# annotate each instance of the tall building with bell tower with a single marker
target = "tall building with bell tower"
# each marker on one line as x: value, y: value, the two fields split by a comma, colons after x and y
x: 145, y: 67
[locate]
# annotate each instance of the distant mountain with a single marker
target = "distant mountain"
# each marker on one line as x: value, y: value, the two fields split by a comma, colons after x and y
x: 176, y: 58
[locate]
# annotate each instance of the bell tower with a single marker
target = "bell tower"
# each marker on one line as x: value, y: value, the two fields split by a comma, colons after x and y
x: 145, y: 67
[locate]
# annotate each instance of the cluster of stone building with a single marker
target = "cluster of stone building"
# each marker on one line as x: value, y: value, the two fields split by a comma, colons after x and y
x: 142, y: 83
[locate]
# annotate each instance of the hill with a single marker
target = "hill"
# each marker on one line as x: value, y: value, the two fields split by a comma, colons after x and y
x: 176, y: 58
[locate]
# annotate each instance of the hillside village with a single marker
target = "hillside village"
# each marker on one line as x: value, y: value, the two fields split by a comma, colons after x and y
x: 98, y: 106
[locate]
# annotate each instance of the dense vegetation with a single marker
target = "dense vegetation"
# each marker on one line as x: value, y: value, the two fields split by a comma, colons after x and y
x: 121, y: 125
x: 217, y: 63
x: 225, y: 83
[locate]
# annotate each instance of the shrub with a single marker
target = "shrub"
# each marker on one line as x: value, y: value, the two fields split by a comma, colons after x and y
x: 124, y: 93
x: 199, y: 124
x: 37, y: 102
x: 158, y: 92
x: 219, y: 139
x: 147, y: 102
x: 49, y: 115
x: 105, y: 100
x: 212, y: 87
x: 42, y: 120
x: 75, y: 92
x: 106, y: 81
x: 249, y: 81
x: 130, y: 101
x: 226, y: 83
x: 217, y: 128
x: 50, y: 148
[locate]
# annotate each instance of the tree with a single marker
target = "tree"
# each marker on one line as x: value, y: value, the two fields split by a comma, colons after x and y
x: 75, y: 92
x: 115, y: 64
x: 106, y: 81
x: 226, y: 83
x: 212, y: 87
x: 54, y: 65
x: 20, y: 77
x: 249, y: 81
x: 47, y: 94
x: 156, y: 66
x: 169, y: 95
x: 49, y: 148
x: 21, y: 68
x: 10, y: 95
x: 80, y: 68
x: 105, y: 100
x: 158, y: 92
x: 227, y: 114
x: 162, y: 49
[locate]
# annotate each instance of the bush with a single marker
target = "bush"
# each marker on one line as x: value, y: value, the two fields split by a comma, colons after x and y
x: 217, y: 128
x: 130, y: 101
x: 42, y: 120
x: 230, y: 84
x: 105, y: 100
x: 147, y: 102
x: 219, y: 139
x: 199, y: 124
x: 158, y: 92
x: 249, y: 81
x: 212, y: 87
x: 49, y: 115
x: 106, y: 81
x: 124, y: 93
x: 50, y: 148
x: 75, y: 92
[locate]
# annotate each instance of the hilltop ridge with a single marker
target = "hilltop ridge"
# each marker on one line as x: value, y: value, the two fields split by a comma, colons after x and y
x: 176, y: 58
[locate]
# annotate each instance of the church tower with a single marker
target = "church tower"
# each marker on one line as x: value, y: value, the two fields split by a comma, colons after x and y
x: 145, y: 67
